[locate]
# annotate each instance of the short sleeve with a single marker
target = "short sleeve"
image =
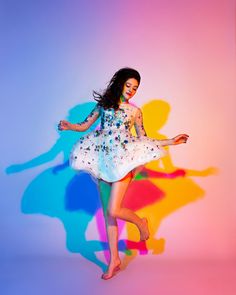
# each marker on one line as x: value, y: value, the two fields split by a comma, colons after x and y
x: 138, y: 123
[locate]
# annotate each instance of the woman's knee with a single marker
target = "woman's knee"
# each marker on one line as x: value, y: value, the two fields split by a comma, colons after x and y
x: 112, y: 213
x: 110, y: 219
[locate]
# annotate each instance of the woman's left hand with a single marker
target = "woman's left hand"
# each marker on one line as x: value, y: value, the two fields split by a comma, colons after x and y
x: 181, y: 138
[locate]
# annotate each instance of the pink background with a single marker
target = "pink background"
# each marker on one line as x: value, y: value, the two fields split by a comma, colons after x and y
x: 55, y: 53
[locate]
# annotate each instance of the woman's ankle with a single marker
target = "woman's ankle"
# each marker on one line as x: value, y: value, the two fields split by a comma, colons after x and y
x: 115, y: 260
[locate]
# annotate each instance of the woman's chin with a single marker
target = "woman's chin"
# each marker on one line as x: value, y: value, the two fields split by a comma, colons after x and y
x: 127, y: 98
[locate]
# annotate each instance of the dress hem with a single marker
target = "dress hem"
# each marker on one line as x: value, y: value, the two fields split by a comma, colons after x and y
x: 131, y: 168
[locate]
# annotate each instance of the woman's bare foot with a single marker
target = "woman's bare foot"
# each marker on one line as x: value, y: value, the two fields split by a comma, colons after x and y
x: 112, y: 269
x: 144, y: 232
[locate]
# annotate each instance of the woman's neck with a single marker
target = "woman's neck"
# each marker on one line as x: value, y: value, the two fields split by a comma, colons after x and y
x: 122, y: 99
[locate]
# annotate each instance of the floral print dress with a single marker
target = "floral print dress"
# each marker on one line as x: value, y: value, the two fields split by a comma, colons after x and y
x: 112, y: 151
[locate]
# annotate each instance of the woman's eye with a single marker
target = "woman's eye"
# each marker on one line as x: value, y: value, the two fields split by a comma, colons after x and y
x: 128, y: 86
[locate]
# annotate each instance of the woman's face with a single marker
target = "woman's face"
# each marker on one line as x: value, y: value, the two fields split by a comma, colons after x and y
x: 130, y: 88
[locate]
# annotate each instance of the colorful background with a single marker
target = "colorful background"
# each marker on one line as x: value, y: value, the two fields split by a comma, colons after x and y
x: 53, y: 54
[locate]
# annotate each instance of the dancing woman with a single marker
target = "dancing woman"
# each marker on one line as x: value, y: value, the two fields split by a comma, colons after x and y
x: 113, y: 155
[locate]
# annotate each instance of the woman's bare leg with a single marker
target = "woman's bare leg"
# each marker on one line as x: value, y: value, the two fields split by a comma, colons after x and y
x: 112, y: 229
x: 116, y: 210
x: 112, y: 210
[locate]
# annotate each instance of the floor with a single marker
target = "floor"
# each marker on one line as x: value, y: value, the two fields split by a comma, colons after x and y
x: 145, y: 275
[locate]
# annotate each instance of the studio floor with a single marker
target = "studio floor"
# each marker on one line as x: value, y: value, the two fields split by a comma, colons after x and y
x: 145, y: 275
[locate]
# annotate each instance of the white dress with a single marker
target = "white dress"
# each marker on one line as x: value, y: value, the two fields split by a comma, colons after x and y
x: 112, y: 151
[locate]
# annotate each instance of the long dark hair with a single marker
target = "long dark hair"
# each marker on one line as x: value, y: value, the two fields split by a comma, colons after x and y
x: 110, y: 98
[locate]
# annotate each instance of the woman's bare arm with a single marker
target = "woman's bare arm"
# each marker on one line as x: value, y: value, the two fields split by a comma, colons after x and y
x: 138, y: 124
x: 83, y: 126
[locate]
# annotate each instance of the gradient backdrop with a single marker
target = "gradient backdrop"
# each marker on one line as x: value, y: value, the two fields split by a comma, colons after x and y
x: 53, y: 54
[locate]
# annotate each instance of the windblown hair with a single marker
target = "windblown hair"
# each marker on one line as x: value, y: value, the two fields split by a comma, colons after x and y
x: 110, y: 98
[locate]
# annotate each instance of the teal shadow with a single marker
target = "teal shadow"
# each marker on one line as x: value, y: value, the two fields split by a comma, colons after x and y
x: 59, y: 192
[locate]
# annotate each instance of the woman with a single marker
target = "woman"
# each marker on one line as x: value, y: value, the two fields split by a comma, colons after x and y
x: 113, y: 155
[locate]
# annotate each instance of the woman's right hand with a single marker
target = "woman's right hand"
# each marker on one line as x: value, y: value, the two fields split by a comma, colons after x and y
x: 64, y: 125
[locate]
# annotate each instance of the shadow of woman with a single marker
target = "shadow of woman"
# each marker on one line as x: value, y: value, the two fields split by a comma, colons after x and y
x: 61, y: 193
x: 158, y: 190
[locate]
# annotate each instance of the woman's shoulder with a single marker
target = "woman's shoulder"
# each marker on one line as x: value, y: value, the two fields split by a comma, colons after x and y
x: 130, y: 105
x: 125, y: 106
x: 137, y: 109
